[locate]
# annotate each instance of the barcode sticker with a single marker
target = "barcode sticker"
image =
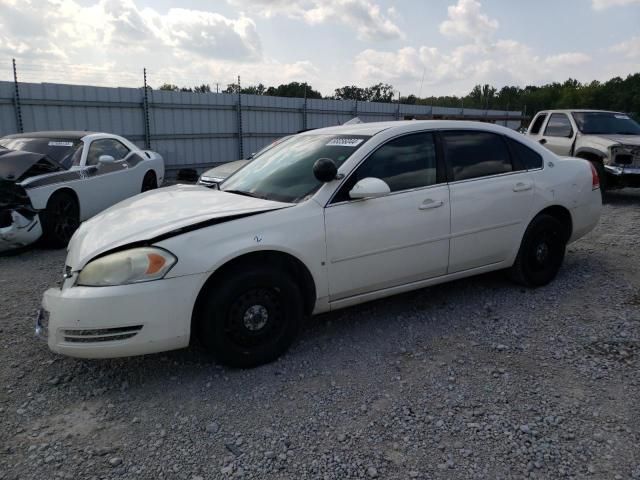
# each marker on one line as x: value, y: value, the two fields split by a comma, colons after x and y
x: 345, y: 142
x: 60, y: 144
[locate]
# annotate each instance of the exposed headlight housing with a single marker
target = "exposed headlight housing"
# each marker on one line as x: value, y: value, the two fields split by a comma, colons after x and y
x: 137, y: 265
x: 211, y: 182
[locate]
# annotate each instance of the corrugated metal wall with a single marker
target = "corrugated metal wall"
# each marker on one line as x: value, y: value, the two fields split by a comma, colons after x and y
x: 197, y: 130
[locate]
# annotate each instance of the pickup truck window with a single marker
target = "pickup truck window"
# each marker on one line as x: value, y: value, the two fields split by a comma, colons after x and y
x: 605, y: 123
x: 473, y: 154
x: 558, y: 126
x: 537, y: 124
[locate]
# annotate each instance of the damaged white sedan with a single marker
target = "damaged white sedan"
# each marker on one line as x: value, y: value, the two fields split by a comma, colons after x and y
x: 330, y: 218
x: 52, y: 181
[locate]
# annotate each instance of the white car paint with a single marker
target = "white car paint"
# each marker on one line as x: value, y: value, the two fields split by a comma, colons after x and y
x: 355, y: 251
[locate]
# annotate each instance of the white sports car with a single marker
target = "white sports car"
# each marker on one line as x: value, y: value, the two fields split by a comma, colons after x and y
x: 330, y: 218
x: 52, y: 181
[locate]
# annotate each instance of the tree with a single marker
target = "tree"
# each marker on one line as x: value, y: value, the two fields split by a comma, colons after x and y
x: 380, y: 92
x: 204, y: 88
x: 169, y: 87
x: 293, y: 89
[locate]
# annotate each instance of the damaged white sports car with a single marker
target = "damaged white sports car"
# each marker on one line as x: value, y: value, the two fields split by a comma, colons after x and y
x: 52, y: 181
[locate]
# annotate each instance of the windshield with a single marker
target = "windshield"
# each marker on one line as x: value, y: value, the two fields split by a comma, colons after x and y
x: 285, y: 172
x: 59, y: 150
x: 605, y: 123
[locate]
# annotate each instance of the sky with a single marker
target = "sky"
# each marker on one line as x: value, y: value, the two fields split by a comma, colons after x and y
x: 421, y: 47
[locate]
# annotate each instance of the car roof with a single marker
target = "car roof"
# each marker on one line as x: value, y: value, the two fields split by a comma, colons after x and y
x: 373, y: 128
x: 61, y: 134
x: 577, y: 110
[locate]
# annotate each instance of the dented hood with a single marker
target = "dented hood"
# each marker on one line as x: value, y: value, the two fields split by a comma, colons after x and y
x: 158, y: 214
x: 15, y: 163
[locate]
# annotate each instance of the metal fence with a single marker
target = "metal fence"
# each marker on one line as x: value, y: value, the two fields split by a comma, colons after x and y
x: 197, y: 130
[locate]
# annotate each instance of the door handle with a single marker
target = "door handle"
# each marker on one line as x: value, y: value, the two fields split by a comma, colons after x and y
x: 429, y: 203
x: 543, y: 141
x: 521, y: 187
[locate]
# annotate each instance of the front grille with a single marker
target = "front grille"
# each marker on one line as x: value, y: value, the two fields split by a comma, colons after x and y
x: 100, y: 335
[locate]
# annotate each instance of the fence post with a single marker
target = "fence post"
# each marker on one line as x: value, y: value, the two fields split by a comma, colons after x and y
x: 304, y: 108
x: 355, y: 109
x: 145, y: 110
x: 398, y: 109
x: 16, y: 99
x: 240, y: 140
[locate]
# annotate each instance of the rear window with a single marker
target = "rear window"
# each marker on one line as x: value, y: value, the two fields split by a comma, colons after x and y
x: 472, y: 154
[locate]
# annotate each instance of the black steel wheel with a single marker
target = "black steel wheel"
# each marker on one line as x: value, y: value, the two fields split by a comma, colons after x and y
x: 541, y: 252
x: 250, y: 318
x: 60, y: 219
x: 149, y: 182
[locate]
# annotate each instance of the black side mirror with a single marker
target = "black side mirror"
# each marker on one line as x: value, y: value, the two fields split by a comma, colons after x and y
x: 325, y: 170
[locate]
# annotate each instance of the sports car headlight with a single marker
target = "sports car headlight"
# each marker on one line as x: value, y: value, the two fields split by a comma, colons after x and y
x: 130, y: 266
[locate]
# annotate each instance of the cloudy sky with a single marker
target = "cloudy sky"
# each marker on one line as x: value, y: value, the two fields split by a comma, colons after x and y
x: 427, y: 47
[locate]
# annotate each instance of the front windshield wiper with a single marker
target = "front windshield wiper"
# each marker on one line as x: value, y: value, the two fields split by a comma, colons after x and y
x: 246, y: 194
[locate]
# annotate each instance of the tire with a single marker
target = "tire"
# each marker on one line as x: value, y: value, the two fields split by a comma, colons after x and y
x: 60, y: 219
x: 149, y: 182
x: 251, y: 318
x: 541, y: 252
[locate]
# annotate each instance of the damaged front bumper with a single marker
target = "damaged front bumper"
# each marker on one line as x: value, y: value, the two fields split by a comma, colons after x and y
x: 19, y: 229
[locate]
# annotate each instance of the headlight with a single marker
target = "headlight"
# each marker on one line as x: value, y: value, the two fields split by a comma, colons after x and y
x: 130, y: 266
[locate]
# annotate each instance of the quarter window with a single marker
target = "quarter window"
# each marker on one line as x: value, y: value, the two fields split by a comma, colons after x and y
x: 525, y: 155
x: 404, y: 163
x: 106, y: 146
x: 537, y: 124
x: 473, y: 154
x: 558, y: 126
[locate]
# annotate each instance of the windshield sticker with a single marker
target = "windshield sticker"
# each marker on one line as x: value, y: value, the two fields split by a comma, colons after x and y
x: 60, y: 144
x: 622, y: 117
x: 345, y: 142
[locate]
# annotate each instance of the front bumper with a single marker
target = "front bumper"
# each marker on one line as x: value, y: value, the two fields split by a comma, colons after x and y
x: 21, y: 232
x: 623, y: 176
x: 120, y: 321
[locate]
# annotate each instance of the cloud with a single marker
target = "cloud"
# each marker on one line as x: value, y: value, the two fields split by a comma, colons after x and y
x: 499, y: 63
x: 604, y: 4
x: 467, y: 22
x: 108, y: 42
x: 367, y: 17
x: 629, y: 48
x: 109, y: 25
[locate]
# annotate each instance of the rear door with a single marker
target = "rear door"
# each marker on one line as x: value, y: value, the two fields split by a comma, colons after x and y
x: 491, y: 197
x: 558, y: 134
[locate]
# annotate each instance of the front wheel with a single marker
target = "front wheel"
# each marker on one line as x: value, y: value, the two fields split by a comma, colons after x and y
x: 60, y: 219
x: 250, y: 318
x: 541, y: 252
x: 149, y: 182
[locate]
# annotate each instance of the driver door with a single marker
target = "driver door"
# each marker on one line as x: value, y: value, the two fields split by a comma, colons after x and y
x: 108, y: 183
x: 396, y: 239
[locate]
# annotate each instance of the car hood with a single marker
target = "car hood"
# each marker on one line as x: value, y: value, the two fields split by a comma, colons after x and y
x: 608, y: 140
x: 157, y: 214
x: 15, y: 164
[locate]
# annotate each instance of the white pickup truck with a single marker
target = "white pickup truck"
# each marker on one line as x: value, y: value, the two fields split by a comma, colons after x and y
x: 610, y: 140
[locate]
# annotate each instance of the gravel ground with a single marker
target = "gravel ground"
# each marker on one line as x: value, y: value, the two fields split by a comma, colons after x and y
x: 473, y: 379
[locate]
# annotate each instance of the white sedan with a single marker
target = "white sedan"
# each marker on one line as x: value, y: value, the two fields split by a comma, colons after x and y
x: 330, y: 218
x: 52, y: 181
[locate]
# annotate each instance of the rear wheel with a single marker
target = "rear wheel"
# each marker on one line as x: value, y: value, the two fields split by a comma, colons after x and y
x: 251, y: 318
x: 541, y: 252
x: 60, y: 219
x: 149, y: 182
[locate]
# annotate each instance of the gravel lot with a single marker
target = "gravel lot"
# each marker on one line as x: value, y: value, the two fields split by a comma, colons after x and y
x: 473, y: 379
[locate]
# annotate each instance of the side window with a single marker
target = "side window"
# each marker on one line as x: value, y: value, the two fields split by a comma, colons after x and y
x: 473, y: 154
x: 403, y: 163
x: 537, y: 124
x: 106, y: 146
x: 529, y: 159
x: 558, y: 126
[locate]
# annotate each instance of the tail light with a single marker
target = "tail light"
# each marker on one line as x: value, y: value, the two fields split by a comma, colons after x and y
x: 595, y: 179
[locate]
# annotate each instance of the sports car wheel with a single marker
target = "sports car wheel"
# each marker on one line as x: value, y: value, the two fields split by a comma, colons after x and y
x: 541, y: 252
x: 149, y: 182
x: 60, y: 219
x: 251, y: 318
